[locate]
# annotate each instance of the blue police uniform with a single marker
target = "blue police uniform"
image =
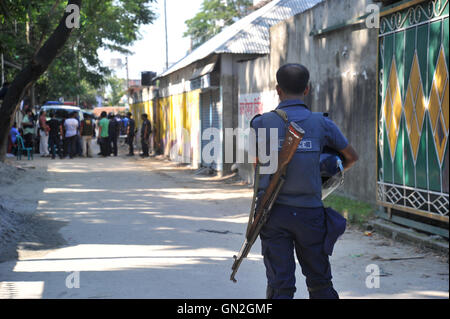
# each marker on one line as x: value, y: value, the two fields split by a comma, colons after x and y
x: 298, y: 220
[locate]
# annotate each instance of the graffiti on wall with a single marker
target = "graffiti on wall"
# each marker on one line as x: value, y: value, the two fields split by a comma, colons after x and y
x: 251, y: 105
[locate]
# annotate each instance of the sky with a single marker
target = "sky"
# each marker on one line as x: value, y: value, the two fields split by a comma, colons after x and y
x: 149, y: 52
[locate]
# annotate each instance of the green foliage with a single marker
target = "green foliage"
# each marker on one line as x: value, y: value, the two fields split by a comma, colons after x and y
x: 214, y: 15
x: 107, y: 24
x: 356, y: 212
x: 118, y: 90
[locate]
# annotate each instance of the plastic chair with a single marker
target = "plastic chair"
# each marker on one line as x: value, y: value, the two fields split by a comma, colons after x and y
x: 21, y: 147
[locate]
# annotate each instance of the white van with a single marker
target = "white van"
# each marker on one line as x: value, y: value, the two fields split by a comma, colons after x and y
x: 61, y: 111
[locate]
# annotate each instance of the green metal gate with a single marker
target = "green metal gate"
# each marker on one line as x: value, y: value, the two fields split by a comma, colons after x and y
x: 413, y: 108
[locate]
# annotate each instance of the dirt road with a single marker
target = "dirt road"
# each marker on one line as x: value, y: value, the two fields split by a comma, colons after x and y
x: 134, y: 228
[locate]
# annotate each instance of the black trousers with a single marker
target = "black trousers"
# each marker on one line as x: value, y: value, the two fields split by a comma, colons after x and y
x: 72, y: 145
x: 28, y: 140
x: 105, y: 146
x: 130, y: 142
x: 300, y: 230
x: 54, y: 144
x: 113, y: 145
x: 145, y: 146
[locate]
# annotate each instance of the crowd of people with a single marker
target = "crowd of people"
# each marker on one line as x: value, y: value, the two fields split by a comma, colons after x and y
x: 74, y: 137
x: 108, y: 134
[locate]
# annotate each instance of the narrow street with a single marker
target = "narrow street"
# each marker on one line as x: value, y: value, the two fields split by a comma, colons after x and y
x: 136, y: 231
x: 134, y: 228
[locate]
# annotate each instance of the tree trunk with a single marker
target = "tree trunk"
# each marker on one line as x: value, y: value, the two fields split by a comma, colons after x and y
x: 29, y: 75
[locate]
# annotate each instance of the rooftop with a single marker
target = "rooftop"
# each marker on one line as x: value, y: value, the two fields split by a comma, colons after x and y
x: 250, y: 35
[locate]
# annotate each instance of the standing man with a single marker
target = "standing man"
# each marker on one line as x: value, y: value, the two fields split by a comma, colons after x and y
x: 71, y: 128
x: 124, y: 125
x: 103, y: 127
x: 298, y: 220
x: 146, y: 130
x: 131, y: 127
x: 113, y: 132
x: 28, y: 128
x: 54, y: 137
x: 87, y: 133
x: 43, y: 135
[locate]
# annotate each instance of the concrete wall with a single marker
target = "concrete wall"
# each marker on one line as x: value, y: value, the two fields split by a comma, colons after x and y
x: 342, y: 65
x: 229, y: 86
x: 255, y: 76
x: 228, y: 97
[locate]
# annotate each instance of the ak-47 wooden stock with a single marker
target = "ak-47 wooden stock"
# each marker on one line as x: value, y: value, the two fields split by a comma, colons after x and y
x: 294, y: 135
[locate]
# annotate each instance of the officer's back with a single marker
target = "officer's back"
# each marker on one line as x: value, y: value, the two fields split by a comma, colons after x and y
x: 298, y: 221
x: 303, y: 186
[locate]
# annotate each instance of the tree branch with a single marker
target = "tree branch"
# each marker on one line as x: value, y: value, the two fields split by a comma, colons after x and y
x: 28, y: 75
x: 44, y: 33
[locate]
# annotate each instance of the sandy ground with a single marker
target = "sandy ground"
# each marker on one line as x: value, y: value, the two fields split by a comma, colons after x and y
x: 134, y: 228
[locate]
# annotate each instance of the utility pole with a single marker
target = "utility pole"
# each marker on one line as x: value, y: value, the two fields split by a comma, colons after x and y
x: 128, y: 82
x: 165, y: 27
x: 78, y: 75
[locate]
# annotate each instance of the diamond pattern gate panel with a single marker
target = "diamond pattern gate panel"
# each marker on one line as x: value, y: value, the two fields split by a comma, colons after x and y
x: 413, y: 109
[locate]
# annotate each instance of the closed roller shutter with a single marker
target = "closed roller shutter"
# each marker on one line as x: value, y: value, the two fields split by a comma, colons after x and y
x: 211, y: 117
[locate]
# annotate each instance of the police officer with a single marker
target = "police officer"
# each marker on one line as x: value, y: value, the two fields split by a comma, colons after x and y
x: 131, y: 131
x: 298, y: 220
x: 113, y: 132
x: 146, y: 130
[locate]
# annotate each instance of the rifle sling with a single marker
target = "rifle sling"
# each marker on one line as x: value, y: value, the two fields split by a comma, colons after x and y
x: 282, y: 114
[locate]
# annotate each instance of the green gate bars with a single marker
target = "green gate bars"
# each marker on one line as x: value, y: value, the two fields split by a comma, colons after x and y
x: 413, y: 108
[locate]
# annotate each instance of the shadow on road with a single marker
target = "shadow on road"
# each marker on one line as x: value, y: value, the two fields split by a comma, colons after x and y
x: 150, y: 229
x: 132, y: 232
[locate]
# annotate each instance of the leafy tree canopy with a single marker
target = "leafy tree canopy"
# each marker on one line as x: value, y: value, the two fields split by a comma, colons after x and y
x: 118, y: 88
x: 109, y: 24
x: 214, y: 15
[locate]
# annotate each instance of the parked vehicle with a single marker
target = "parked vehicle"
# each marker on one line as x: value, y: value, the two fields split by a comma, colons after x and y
x: 61, y: 111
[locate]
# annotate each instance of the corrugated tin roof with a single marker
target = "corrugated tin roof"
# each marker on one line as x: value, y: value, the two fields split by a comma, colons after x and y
x: 250, y: 35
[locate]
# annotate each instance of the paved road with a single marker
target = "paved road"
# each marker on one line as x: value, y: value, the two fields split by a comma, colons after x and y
x: 133, y: 228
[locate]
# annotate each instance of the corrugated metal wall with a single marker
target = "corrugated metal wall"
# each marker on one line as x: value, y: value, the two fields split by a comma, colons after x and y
x: 178, y: 127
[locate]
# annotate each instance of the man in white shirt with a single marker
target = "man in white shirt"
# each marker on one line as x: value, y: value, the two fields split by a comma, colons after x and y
x: 71, y: 128
x: 43, y: 133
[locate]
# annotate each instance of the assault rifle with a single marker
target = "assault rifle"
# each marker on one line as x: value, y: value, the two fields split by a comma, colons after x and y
x: 258, y: 217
